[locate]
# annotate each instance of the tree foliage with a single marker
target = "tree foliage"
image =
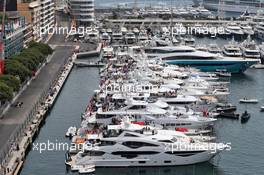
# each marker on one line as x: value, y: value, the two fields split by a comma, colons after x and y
x: 10, y: 81
x: 6, y: 93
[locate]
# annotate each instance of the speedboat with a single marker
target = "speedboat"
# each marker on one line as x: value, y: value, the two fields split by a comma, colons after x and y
x: 245, y: 117
x: 86, y: 169
x: 232, y: 49
x: 246, y: 100
x: 71, y: 131
x: 262, y: 108
x: 205, y: 61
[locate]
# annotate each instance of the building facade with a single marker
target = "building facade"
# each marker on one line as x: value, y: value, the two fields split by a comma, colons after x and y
x: 40, y: 14
x: 15, y: 27
x: 82, y: 11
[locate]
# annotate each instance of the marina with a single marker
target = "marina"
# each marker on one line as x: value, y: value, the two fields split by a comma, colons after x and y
x: 152, y: 89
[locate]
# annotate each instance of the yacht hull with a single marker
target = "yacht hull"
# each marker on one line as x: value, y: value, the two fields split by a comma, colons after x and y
x: 213, y: 65
x: 149, y: 161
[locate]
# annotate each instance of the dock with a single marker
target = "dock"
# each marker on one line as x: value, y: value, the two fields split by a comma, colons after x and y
x: 88, y: 64
x: 95, y: 52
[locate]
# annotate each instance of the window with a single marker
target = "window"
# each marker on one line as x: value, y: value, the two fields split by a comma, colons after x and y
x: 167, y: 161
x: 130, y: 135
x: 132, y: 144
x: 133, y: 154
x: 106, y: 143
x: 92, y: 153
x: 184, y: 153
x: 141, y: 162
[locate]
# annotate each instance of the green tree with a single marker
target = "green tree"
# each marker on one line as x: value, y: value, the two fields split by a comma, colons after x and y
x: 14, y: 67
x: 10, y: 81
x: 6, y: 93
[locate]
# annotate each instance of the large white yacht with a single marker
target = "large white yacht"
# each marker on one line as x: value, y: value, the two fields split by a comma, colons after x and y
x: 238, y: 6
x: 233, y: 28
x: 205, y: 61
x: 156, y: 148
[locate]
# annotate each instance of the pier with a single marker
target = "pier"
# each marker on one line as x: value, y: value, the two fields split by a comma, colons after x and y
x: 159, y: 22
x: 88, y: 64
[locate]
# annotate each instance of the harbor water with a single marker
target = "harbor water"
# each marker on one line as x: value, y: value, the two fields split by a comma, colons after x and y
x: 246, y: 156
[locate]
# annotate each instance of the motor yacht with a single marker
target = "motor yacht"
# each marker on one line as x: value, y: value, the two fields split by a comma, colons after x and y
x: 158, y: 148
x: 205, y: 61
x: 247, y: 29
x: 214, y: 48
x: 117, y: 36
x: 233, y: 29
x: 260, y: 30
x: 250, y: 49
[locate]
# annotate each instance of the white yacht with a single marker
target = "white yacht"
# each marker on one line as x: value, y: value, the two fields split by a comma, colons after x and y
x: 205, y: 61
x: 160, y: 148
x: 123, y: 30
x: 247, y: 29
x: 179, y: 99
x: 238, y: 6
x: 260, y: 30
x: 130, y: 107
x: 214, y: 48
x: 232, y: 49
x: 203, y: 12
x: 117, y: 36
x: 250, y: 49
x: 233, y: 28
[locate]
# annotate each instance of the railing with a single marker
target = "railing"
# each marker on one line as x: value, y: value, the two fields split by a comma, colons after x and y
x: 6, y: 151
